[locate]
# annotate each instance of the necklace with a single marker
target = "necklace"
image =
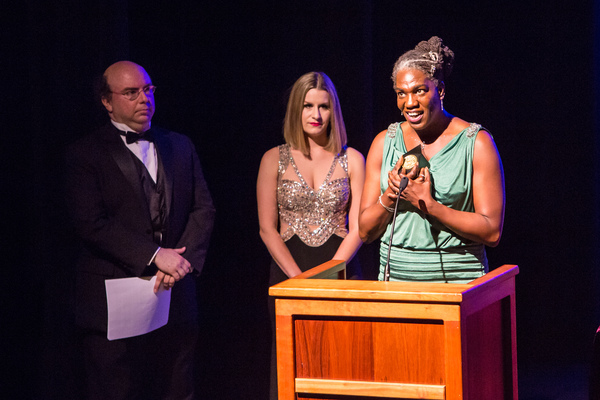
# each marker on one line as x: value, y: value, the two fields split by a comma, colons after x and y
x: 426, y: 143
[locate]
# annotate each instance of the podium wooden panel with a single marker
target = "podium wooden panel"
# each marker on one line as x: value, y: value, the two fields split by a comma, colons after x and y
x: 359, y: 340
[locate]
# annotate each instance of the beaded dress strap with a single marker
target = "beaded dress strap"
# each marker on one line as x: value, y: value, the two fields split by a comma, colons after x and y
x: 343, y: 160
x: 393, y: 129
x: 284, y: 158
x: 472, y: 129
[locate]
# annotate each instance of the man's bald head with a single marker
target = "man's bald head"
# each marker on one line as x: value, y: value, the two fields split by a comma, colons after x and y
x: 125, y: 77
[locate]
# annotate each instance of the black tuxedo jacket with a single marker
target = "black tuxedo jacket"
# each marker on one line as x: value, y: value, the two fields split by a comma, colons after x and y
x: 111, y: 217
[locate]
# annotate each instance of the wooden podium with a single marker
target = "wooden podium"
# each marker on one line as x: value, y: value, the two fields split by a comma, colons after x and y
x: 359, y: 340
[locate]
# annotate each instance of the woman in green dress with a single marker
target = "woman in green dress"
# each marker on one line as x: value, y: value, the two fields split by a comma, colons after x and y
x: 453, y: 204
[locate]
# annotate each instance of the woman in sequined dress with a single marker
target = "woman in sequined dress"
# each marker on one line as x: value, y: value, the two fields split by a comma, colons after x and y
x: 452, y: 208
x: 309, y: 188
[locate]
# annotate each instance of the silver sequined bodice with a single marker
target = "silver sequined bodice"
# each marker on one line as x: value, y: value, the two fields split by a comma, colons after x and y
x: 301, y: 207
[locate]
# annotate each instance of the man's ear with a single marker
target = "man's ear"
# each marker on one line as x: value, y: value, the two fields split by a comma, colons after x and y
x: 107, y: 104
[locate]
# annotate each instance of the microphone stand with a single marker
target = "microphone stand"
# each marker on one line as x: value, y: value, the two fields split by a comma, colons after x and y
x: 386, y: 273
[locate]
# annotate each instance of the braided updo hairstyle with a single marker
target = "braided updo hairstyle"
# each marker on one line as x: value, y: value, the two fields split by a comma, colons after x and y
x: 431, y: 57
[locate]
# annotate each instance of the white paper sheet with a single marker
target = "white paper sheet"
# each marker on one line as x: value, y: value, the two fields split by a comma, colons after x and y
x: 133, y: 307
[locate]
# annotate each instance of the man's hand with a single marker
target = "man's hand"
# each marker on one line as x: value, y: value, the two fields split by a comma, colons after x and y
x: 171, y: 263
x: 166, y: 280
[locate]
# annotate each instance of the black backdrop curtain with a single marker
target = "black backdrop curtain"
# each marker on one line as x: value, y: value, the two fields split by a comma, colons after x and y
x: 525, y: 71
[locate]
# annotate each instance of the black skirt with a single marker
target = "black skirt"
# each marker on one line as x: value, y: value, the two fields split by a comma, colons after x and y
x: 308, y: 257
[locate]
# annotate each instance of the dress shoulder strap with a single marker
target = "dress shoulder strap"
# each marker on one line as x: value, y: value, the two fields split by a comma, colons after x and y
x: 342, y: 159
x: 473, y: 129
x: 393, y: 129
x: 284, y: 158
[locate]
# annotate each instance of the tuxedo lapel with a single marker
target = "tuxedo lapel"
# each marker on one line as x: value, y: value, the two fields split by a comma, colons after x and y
x: 123, y: 158
x: 164, y: 151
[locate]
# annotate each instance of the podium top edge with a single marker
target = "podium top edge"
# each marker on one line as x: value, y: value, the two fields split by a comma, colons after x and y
x: 371, y: 290
x: 393, y: 291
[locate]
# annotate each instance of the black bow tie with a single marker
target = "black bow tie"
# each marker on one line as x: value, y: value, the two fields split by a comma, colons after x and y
x: 132, y: 137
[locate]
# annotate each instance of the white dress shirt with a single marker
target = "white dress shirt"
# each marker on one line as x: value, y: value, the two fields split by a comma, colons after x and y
x: 144, y: 150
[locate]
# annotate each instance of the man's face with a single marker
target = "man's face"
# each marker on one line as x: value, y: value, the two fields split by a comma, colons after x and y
x: 123, y: 77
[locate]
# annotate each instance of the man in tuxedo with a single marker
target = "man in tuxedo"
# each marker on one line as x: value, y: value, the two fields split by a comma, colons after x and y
x: 141, y: 207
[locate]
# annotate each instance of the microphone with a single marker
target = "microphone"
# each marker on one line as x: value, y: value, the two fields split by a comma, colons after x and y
x: 386, y: 273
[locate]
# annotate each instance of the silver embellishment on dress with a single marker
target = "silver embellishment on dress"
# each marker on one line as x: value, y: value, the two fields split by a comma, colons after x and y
x: 392, y: 129
x: 301, y: 207
x: 473, y: 129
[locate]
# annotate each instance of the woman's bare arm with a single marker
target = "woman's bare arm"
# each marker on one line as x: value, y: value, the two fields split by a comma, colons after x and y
x: 268, y: 215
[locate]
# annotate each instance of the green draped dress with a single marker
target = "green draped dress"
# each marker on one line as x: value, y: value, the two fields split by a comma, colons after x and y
x: 423, y: 249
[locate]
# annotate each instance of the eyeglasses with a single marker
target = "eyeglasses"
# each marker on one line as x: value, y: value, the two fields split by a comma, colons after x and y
x: 132, y: 94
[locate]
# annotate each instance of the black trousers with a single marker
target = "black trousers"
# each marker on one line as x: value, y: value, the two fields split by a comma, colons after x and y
x: 158, y: 365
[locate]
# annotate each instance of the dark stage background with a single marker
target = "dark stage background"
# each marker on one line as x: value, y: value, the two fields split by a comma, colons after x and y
x: 525, y: 70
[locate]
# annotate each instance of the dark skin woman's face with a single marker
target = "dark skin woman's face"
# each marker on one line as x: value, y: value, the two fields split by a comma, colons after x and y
x: 418, y: 98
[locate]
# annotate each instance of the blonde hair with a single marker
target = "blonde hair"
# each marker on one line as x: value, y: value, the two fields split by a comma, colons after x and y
x: 293, y: 133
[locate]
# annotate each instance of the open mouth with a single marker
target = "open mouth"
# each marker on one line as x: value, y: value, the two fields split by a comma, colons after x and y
x: 413, y: 116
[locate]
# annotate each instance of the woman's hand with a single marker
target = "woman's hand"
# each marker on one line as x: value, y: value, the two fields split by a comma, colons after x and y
x: 418, y: 190
x: 395, y: 177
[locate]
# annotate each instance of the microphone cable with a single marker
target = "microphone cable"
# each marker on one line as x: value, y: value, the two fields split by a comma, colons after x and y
x: 386, y: 273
